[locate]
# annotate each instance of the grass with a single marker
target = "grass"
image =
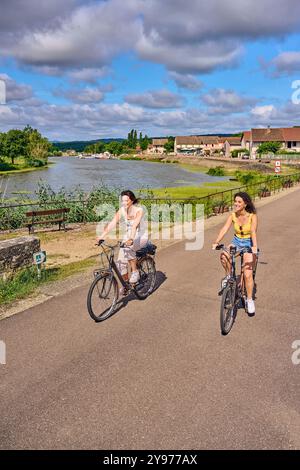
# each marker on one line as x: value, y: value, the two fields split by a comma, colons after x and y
x: 195, y: 191
x: 26, y: 281
x: 6, y: 167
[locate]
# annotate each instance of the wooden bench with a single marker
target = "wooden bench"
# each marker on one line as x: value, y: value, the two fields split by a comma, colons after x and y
x: 55, y: 216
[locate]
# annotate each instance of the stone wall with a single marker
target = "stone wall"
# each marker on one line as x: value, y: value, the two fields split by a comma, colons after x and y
x: 17, y: 253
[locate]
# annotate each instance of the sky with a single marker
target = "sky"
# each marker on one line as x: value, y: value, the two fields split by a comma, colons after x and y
x: 90, y: 69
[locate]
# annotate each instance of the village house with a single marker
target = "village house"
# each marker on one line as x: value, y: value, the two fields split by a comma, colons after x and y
x: 232, y: 143
x: 198, y: 144
x: 157, y: 146
x: 289, y: 137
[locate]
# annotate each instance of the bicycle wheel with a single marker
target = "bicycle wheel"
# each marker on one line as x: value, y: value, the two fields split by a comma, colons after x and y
x: 102, y: 297
x: 228, y: 309
x: 147, y: 280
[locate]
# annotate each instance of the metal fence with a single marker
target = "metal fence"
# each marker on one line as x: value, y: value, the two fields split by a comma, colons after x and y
x: 82, y: 211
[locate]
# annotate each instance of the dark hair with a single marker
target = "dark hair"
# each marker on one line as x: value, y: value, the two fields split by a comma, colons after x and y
x: 131, y: 196
x: 248, y: 201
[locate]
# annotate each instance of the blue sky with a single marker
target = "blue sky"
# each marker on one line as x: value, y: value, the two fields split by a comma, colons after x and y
x: 94, y: 69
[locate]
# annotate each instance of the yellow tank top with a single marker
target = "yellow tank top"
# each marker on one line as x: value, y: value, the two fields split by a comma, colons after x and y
x: 242, y: 231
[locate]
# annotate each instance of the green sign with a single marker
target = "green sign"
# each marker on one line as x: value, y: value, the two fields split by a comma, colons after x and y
x: 40, y: 257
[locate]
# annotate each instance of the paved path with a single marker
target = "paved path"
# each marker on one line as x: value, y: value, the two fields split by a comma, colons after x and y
x: 158, y: 374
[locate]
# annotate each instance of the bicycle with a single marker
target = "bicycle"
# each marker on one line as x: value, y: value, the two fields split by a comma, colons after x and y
x: 234, y: 292
x: 104, y: 293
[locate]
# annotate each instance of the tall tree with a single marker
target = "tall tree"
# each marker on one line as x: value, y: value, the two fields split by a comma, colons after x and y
x: 15, y: 145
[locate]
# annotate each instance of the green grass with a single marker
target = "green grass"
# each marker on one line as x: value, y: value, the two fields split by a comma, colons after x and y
x: 26, y: 281
x: 20, y: 166
x: 195, y: 191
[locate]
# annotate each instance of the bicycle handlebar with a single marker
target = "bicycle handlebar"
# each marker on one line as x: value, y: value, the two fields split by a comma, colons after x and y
x: 112, y: 247
x: 235, y: 251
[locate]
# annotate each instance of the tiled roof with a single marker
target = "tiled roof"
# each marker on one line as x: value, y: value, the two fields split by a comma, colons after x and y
x: 267, y: 135
x: 197, y: 140
x: 159, y: 142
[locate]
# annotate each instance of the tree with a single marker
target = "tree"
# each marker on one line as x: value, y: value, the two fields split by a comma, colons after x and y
x: 144, y: 143
x: 98, y: 147
x: 169, y: 146
x: 37, y: 147
x: 114, y: 147
x: 15, y: 144
x: 269, y: 147
x: 2, y: 144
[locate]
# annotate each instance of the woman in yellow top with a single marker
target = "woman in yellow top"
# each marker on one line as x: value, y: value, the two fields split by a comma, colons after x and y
x: 244, y: 220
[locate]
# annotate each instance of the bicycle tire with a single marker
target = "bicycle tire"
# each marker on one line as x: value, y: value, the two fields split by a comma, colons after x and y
x: 147, y: 269
x: 107, y: 291
x: 227, y: 314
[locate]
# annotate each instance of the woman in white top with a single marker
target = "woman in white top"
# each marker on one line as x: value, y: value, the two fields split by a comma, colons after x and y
x: 136, y: 234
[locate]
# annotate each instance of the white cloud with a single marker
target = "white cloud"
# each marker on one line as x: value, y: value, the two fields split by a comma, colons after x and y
x: 194, y: 37
x: 263, y: 112
x: 88, y: 75
x: 16, y: 91
x: 155, y: 99
x: 187, y: 81
x: 81, y: 95
x: 88, y: 120
x: 90, y: 37
x: 286, y: 63
x: 220, y: 100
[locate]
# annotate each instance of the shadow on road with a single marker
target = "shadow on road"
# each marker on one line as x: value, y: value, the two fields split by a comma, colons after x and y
x: 122, y: 303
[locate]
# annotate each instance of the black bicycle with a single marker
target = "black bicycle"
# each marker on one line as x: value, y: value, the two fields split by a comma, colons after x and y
x: 104, y: 292
x: 234, y: 293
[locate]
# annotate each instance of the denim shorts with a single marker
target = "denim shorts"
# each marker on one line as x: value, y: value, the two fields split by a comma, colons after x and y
x: 242, y: 242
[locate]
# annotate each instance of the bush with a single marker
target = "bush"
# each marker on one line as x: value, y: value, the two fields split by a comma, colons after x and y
x: 36, y: 163
x: 217, y: 171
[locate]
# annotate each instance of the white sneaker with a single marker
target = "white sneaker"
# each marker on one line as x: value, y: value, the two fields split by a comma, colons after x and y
x: 250, y: 306
x: 135, y: 277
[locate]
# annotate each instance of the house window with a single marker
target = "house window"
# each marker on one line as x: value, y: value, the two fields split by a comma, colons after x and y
x: 294, y: 144
x: 289, y: 145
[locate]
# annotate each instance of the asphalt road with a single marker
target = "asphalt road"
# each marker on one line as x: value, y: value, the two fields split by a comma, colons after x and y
x: 158, y: 374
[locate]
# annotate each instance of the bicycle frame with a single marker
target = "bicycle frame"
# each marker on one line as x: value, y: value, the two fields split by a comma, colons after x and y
x: 112, y: 266
x: 234, y: 253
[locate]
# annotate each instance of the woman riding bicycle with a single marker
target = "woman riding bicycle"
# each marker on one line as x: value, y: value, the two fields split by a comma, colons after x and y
x: 244, y: 220
x: 136, y: 234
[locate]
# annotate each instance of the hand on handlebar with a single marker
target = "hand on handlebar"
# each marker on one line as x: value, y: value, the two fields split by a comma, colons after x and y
x: 128, y: 242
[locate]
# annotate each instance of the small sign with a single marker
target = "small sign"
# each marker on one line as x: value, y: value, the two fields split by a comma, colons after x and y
x: 277, y: 169
x: 278, y: 163
x: 40, y: 257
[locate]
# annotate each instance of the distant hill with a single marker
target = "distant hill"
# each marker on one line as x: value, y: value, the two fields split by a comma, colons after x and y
x: 79, y: 145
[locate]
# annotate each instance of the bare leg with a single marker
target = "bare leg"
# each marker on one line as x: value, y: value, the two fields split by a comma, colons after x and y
x: 248, y: 274
x: 133, y: 264
x: 225, y: 260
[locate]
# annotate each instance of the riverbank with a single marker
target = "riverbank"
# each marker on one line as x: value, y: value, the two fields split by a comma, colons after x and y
x: 25, y: 170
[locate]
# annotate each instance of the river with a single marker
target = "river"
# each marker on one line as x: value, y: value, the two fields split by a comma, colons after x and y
x: 70, y: 172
